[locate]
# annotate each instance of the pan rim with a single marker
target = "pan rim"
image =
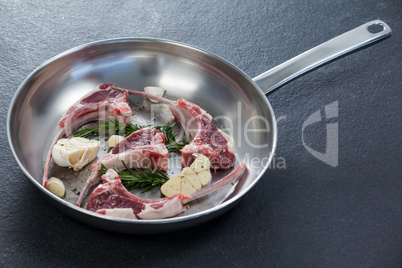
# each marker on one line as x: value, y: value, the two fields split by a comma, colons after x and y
x: 175, y: 219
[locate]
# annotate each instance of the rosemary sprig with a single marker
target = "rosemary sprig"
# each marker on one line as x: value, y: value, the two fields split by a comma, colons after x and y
x: 86, y: 132
x: 133, y: 179
x: 111, y: 126
x: 115, y: 127
x: 170, y: 138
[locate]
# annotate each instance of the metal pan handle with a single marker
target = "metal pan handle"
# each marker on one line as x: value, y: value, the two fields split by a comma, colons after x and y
x: 353, y: 40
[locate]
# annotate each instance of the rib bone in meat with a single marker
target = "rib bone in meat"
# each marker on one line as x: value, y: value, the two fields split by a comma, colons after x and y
x: 103, y: 103
x: 112, y: 198
x: 141, y: 149
x: 207, y: 139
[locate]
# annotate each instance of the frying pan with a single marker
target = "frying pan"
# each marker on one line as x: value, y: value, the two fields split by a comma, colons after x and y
x: 237, y: 102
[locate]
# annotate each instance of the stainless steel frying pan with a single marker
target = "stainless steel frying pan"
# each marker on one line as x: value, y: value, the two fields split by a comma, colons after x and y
x: 237, y: 102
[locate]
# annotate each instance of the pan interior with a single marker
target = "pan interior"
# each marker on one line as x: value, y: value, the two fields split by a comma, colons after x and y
x: 234, y: 101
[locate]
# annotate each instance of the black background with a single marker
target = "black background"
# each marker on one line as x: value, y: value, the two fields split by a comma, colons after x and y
x: 306, y: 215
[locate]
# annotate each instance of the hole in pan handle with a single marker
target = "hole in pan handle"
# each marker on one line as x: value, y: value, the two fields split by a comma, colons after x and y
x: 335, y: 48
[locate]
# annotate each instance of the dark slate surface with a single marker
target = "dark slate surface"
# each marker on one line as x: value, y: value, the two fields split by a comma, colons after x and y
x: 306, y: 215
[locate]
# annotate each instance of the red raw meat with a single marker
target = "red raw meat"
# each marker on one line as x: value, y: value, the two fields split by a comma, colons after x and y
x: 103, y: 103
x: 143, y: 148
x: 112, y: 198
x: 207, y: 139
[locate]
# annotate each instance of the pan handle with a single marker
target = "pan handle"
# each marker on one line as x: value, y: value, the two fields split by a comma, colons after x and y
x: 353, y: 40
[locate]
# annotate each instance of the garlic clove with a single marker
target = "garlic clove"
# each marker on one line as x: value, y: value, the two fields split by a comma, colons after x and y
x: 156, y: 91
x: 186, y: 187
x: 56, y: 186
x: 201, y: 163
x: 75, y: 153
x: 114, y: 140
x: 205, y: 177
x: 172, y: 186
x: 191, y: 179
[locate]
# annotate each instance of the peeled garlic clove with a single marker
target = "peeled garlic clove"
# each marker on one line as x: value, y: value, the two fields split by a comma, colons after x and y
x: 172, y: 186
x: 188, y: 171
x: 114, y: 140
x: 193, y: 180
x: 205, y: 177
x: 190, y: 180
x: 187, y: 188
x: 201, y: 163
x: 56, y: 186
x: 156, y: 91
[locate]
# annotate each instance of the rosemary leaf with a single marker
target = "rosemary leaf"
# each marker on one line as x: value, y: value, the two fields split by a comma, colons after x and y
x: 111, y: 127
x: 135, y: 178
x: 103, y: 169
x: 86, y: 132
x: 115, y: 127
x: 170, y: 138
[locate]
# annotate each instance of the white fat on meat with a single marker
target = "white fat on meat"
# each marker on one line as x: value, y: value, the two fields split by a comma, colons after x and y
x: 141, y: 149
x: 103, y: 103
x: 172, y: 207
x: 111, y: 197
x: 207, y: 139
x: 126, y: 213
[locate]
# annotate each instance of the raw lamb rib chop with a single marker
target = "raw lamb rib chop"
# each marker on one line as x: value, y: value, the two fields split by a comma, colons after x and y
x: 103, y: 103
x: 145, y: 147
x: 111, y: 198
x: 207, y: 139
